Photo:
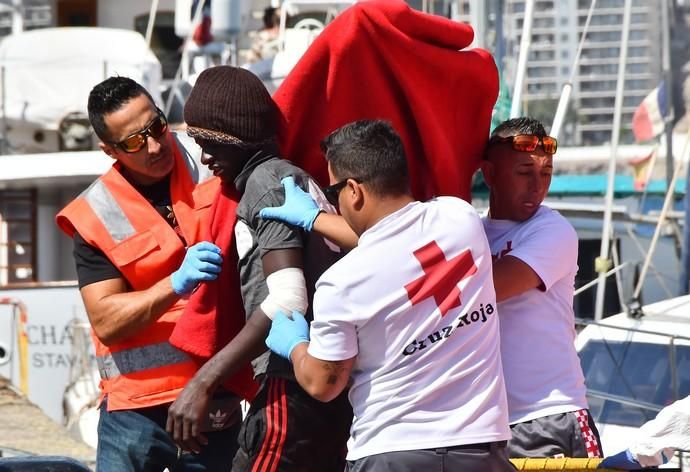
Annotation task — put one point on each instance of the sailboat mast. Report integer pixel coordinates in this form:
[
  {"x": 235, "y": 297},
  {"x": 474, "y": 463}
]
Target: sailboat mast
[
  {"x": 602, "y": 262},
  {"x": 478, "y": 21},
  {"x": 17, "y": 16},
  {"x": 151, "y": 22},
  {"x": 668, "y": 77},
  {"x": 568, "y": 86},
  {"x": 183, "y": 69},
  {"x": 515, "y": 109}
]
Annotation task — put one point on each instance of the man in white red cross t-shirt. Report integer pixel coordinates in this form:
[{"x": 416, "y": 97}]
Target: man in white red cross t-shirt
[
  {"x": 409, "y": 314},
  {"x": 534, "y": 250},
  {"x": 535, "y": 261}
]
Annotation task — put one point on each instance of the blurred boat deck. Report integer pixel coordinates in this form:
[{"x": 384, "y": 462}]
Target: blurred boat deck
[{"x": 25, "y": 429}]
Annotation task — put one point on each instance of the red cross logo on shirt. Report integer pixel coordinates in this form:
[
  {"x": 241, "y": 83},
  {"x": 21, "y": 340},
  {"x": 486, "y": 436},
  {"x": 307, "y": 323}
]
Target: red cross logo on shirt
[{"x": 441, "y": 277}]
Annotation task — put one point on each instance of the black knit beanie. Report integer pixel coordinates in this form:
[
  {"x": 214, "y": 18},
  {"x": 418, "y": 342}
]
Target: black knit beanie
[{"x": 230, "y": 105}]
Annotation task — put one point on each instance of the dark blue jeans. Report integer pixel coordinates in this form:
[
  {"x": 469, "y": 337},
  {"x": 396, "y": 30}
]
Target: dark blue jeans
[{"x": 136, "y": 440}]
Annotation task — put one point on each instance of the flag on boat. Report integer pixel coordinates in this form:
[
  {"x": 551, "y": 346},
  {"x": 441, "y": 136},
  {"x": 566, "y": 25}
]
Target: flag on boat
[
  {"x": 642, "y": 169},
  {"x": 648, "y": 119}
]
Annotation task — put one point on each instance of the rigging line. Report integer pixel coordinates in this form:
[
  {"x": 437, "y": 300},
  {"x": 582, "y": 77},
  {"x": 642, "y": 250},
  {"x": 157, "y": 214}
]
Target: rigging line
[
  {"x": 662, "y": 217},
  {"x": 562, "y": 107},
  {"x": 643, "y": 253},
  {"x": 619, "y": 282},
  {"x": 152, "y": 20},
  {"x": 585, "y": 30},
  {"x": 616, "y": 262},
  {"x": 618, "y": 366},
  {"x": 602, "y": 261},
  {"x": 196, "y": 20},
  {"x": 525, "y": 41},
  {"x": 592, "y": 283}
]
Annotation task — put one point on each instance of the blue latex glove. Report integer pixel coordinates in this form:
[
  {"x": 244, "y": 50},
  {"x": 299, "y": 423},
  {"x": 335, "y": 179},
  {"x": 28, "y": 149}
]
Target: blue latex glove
[
  {"x": 624, "y": 460},
  {"x": 286, "y": 333},
  {"x": 202, "y": 262},
  {"x": 299, "y": 208}
]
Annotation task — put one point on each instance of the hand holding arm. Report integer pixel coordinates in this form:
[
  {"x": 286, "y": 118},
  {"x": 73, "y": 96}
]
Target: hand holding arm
[
  {"x": 299, "y": 208},
  {"x": 185, "y": 415},
  {"x": 286, "y": 333},
  {"x": 201, "y": 262},
  {"x": 115, "y": 312},
  {"x": 289, "y": 338}
]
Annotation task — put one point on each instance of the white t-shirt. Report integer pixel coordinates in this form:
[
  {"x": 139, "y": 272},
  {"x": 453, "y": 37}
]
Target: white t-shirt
[
  {"x": 424, "y": 376},
  {"x": 542, "y": 370}
]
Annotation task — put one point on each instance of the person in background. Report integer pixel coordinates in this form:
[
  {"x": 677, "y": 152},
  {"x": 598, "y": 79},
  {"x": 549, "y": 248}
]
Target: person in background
[
  {"x": 409, "y": 315},
  {"x": 231, "y": 115},
  {"x": 265, "y": 41},
  {"x": 534, "y": 265},
  {"x": 202, "y": 33},
  {"x": 138, "y": 252}
]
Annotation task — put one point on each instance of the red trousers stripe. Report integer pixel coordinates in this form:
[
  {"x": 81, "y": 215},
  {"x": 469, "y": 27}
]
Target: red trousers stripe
[{"x": 276, "y": 428}]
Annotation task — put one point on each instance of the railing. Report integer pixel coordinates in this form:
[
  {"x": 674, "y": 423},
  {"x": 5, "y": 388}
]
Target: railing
[
  {"x": 570, "y": 464},
  {"x": 672, "y": 338},
  {"x": 623, "y": 400}
]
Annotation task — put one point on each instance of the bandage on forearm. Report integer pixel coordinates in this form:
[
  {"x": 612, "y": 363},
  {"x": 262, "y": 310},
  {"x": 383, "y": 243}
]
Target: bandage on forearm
[{"x": 287, "y": 292}]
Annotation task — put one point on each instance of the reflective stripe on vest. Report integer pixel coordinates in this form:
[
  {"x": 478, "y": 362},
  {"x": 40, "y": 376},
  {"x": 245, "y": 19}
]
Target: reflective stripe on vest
[
  {"x": 108, "y": 211},
  {"x": 138, "y": 359}
]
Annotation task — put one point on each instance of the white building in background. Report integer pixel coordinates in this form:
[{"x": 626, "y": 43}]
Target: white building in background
[
  {"x": 556, "y": 30},
  {"x": 16, "y": 15}
]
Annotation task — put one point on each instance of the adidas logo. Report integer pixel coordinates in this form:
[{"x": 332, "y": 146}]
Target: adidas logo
[{"x": 217, "y": 419}]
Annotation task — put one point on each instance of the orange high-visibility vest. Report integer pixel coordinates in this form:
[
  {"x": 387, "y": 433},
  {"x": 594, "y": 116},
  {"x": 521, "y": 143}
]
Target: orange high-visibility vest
[{"x": 144, "y": 369}]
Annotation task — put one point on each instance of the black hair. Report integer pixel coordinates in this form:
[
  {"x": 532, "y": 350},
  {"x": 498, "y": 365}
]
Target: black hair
[
  {"x": 109, "y": 96},
  {"x": 522, "y": 125},
  {"x": 270, "y": 17},
  {"x": 515, "y": 126},
  {"x": 371, "y": 152}
]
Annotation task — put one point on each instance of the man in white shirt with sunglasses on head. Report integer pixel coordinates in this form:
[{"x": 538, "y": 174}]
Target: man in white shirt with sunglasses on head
[
  {"x": 408, "y": 316},
  {"x": 534, "y": 252}
]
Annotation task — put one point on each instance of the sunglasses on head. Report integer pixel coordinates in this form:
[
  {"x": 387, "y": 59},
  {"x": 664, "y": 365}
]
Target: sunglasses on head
[
  {"x": 529, "y": 142},
  {"x": 333, "y": 191},
  {"x": 135, "y": 142}
]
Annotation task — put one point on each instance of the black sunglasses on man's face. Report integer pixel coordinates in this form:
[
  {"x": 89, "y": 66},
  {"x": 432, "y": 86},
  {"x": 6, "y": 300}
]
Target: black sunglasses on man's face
[
  {"x": 333, "y": 191},
  {"x": 135, "y": 142}
]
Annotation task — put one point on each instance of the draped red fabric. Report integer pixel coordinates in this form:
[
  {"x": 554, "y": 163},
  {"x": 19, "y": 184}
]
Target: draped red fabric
[
  {"x": 378, "y": 59},
  {"x": 215, "y": 312},
  {"x": 382, "y": 59}
]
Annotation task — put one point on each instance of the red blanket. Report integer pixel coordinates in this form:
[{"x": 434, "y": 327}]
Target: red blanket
[
  {"x": 378, "y": 59},
  {"x": 215, "y": 313},
  {"x": 382, "y": 59}
]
